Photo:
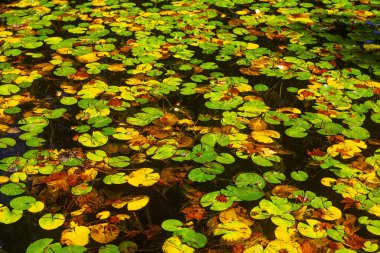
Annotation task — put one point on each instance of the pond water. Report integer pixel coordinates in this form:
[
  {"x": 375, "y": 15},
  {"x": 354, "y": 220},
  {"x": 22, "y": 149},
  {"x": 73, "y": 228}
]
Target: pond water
[{"x": 189, "y": 126}]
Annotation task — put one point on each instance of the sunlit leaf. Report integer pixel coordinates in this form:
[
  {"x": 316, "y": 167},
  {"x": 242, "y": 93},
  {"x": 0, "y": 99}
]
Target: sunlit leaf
[
  {"x": 143, "y": 177},
  {"x": 75, "y": 235},
  {"x": 279, "y": 245},
  {"x": 50, "y": 221},
  {"x": 174, "y": 245},
  {"x": 96, "y": 139},
  {"x": 8, "y": 216},
  {"x": 311, "y": 229},
  {"x": 133, "y": 203},
  {"x": 233, "y": 231},
  {"x": 41, "y": 245}
]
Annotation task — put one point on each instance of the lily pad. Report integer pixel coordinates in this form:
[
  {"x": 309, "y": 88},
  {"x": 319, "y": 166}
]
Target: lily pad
[
  {"x": 50, "y": 221},
  {"x": 96, "y": 139}
]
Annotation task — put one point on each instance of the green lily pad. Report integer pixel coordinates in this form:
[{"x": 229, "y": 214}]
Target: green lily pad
[
  {"x": 109, "y": 248},
  {"x": 299, "y": 175},
  {"x": 296, "y": 132},
  {"x": 285, "y": 220},
  {"x": 97, "y": 155},
  {"x": 172, "y": 225},
  {"x": 118, "y": 178},
  {"x": 41, "y": 245},
  {"x": 128, "y": 247},
  {"x": 50, "y": 221},
  {"x": 7, "y": 142},
  {"x": 250, "y": 179},
  {"x": 262, "y": 161},
  {"x": 190, "y": 237},
  {"x": 9, "y": 216},
  {"x": 119, "y": 161},
  {"x": 81, "y": 189},
  {"x": 68, "y": 100},
  {"x": 244, "y": 193},
  {"x": 65, "y": 71},
  {"x": 204, "y": 153},
  {"x": 206, "y": 173},
  {"x": 22, "y": 202},
  {"x": 225, "y": 158},
  {"x": 13, "y": 189},
  {"x": 164, "y": 152},
  {"x": 274, "y": 177},
  {"x": 8, "y": 89},
  {"x": 96, "y": 139},
  {"x": 216, "y": 201},
  {"x": 311, "y": 229},
  {"x": 147, "y": 116}
]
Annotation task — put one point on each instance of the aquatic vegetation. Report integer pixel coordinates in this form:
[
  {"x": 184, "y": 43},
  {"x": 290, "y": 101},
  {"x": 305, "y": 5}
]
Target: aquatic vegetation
[{"x": 191, "y": 126}]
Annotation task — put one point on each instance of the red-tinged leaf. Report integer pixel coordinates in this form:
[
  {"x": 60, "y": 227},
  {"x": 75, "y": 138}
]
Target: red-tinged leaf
[
  {"x": 306, "y": 247},
  {"x": 114, "y": 102},
  {"x": 316, "y": 152},
  {"x": 307, "y": 93},
  {"x": 55, "y": 177},
  {"x": 194, "y": 211},
  {"x": 238, "y": 248},
  {"x": 80, "y": 75},
  {"x": 349, "y": 203},
  {"x": 355, "y": 241},
  {"x": 221, "y": 198}
]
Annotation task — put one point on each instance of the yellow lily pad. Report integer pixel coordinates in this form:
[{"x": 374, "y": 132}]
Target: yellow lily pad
[
  {"x": 143, "y": 177},
  {"x": 174, "y": 245},
  {"x": 265, "y": 136},
  {"x": 311, "y": 229},
  {"x": 50, "y": 221},
  {"x": 75, "y": 235},
  {"x": 233, "y": 231}
]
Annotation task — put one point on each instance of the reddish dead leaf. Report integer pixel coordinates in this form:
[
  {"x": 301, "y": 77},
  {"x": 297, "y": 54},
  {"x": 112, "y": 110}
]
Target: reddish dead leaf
[
  {"x": 355, "y": 241},
  {"x": 349, "y": 221},
  {"x": 73, "y": 180},
  {"x": 306, "y": 247},
  {"x": 115, "y": 102},
  {"x": 335, "y": 138},
  {"x": 194, "y": 211},
  {"x": 238, "y": 248},
  {"x": 325, "y": 225},
  {"x": 185, "y": 142},
  {"x": 168, "y": 119},
  {"x": 316, "y": 70},
  {"x": 361, "y": 164},
  {"x": 284, "y": 191},
  {"x": 114, "y": 219},
  {"x": 221, "y": 198},
  {"x": 316, "y": 152},
  {"x": 55, "y": 177},
  {"x": 80, "y": 75},
  {"x": 306, "y": 94},
  {"x": 172, "y": 175}
]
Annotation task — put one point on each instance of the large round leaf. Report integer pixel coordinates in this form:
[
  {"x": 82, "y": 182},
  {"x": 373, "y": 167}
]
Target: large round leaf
[
  {"x": 96, "y": 139},
  {"x": 143, "y": 177},
  {"x": 50, "y": 221}
]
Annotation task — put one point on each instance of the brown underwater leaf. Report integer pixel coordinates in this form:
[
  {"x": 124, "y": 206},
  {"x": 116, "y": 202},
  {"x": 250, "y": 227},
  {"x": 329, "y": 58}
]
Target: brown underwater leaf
[{"x": 104, "y": 232}]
